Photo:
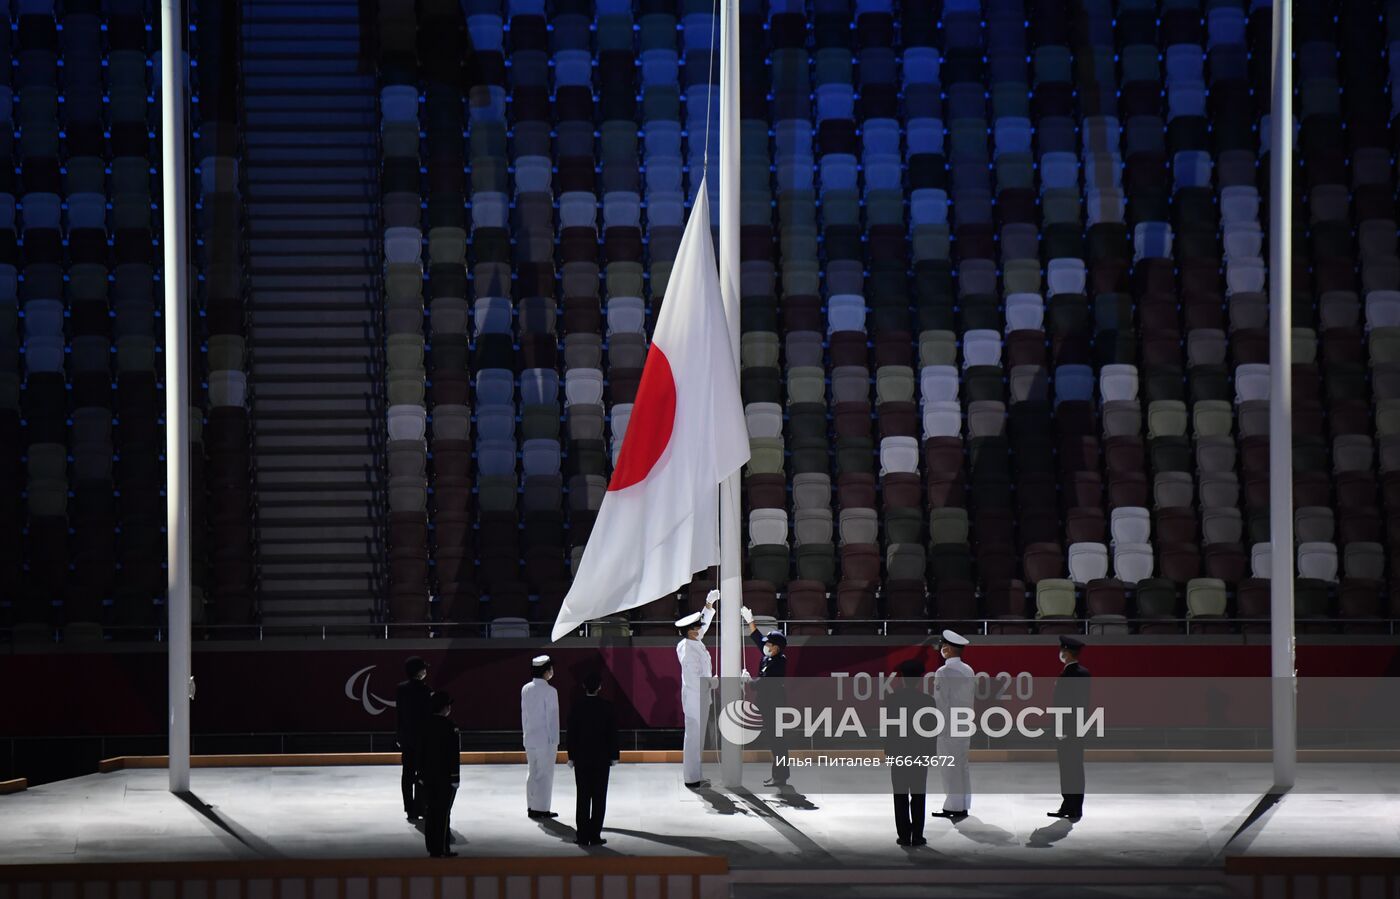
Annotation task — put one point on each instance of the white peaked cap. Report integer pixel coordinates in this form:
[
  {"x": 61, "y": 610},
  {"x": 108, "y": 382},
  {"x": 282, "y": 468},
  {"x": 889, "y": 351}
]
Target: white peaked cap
[
  {"x": 954, "y": 638},
  {"x": 539, "y": 660},
  {"x": 688, "y": 620}
]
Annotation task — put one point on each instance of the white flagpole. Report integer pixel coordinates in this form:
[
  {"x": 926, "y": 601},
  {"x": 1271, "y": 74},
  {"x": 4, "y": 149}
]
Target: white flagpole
[
  {"x": 731, "y": 572},
  {"x": 1285, "y": 677},
  {"x": 177, "y": 390}
]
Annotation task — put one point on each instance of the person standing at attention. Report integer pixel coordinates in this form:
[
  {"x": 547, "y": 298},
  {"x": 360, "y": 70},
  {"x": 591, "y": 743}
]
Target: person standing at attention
[
  {"x": 1071, "y": 691},
  {"x": 411, "y": 710},
  {"x": 539, "y": 725},
  {"x": 954, "y": 688},
  {"x": 439, "y": 774},
  {"x": 592, "y": 751}
]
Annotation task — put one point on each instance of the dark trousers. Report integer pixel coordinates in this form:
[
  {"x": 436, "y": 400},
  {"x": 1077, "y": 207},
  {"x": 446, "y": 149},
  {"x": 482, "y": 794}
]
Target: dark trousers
[
  {"x": 778, "y": 745},
  {"x": 408, "y": 782},
  {"x": 909, "y": 784},
  {"x": 591, "y": 787},
  {"x": 1070, "y": 753},
  {"x": 437, "y": 815}
]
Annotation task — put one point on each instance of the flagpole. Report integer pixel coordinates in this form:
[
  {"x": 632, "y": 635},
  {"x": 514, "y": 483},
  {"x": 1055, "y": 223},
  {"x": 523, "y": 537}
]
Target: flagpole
[
  {"x": 731, "y": 572},
  {"x": 1281, "y": 601}
]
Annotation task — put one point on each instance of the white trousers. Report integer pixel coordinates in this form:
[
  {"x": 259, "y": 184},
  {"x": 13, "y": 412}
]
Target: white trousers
[
  {"x": 539, "y": 783},
  {"x": 957, "y": 778},
  {"x": 694, "y": 743}
]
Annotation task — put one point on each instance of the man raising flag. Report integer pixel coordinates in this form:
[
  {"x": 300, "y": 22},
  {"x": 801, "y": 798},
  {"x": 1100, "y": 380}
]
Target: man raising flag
[{"x": 659, "y": 520}]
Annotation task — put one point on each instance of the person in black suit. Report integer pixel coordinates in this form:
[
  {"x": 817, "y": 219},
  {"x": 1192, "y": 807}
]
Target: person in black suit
[
  {"x": 909, "y": 782},
  {"x": 411, "y": 709},
  {"x": 439, "y": 773},
  {"x": 769, "y": 693},
  {"x": 592, "y": 751},
  {"x": 1071, "y": 691}
]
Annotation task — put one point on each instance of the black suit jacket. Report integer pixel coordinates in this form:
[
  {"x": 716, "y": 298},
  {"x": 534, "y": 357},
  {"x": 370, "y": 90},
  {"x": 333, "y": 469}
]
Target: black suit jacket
[
  {"x": 770, "y": 690},
  {"x": 910, "y": 699},
  {"x": 440, "y": 763},
  {"x": 1072, "y": 687},
  {"x": 592, "y": 731},
  {"x": 411, "y": 708}
]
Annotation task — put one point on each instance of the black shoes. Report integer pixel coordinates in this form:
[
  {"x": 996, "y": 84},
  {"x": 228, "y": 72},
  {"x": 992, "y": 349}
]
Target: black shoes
[
  {"x": 1068, "y": 816},
  {"x": 444, "y": 855},
  {"x": 598, "y": 842},
  {"x": 918, "y": 841},
  {"x": 412, "y": 818},
  {"x": 955, "y": 817},
  {"x": 770, "y": 782},
  {"x": 697, "y": 784},
  {"x": 535, "y": 814}
]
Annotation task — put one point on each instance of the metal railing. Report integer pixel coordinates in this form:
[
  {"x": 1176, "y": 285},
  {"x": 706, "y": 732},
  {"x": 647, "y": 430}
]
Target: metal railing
[{"x": 910, "y": 628}]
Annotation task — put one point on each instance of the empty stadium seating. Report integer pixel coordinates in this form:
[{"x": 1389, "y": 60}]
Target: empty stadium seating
[
  {"x": 1004, "y": 301},
  {"x": 1004, "y": 313}
]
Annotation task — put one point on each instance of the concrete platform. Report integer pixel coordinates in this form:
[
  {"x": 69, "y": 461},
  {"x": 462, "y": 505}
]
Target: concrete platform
[{"x": 347, "y": 812}]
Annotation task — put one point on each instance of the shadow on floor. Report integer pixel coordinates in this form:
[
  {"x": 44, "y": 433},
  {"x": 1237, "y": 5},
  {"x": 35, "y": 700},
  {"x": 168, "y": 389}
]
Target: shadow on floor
[
  {"x": 228, "y": 826},
  {"x": 1047, "y": 836}
]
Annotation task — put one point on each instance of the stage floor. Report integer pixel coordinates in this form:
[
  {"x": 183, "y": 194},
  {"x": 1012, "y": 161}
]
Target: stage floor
[{"x": 128, "y": 816}]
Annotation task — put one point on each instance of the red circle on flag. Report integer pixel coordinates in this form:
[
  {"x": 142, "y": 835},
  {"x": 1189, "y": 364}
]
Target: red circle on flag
[{"x": 649, "y": 428}]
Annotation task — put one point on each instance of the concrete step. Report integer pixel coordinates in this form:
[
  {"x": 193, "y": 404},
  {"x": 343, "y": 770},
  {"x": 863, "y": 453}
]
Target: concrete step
[
  {"x": 312, "y": 192},
  {"x": 306, "y": 549},
  {"x": 355, "y": 331},
  {"x": 339, "y": 173},
  {"x": 344, "y": 154},
  {"x": 272, "y": 324},
  {"x": 262, "y": 140},
  {"x": 328, "y": 265},
  {"x": 300, "y": 97},
  {"x": 356, "y": 120},
  {"x": 346, "y": 81},
  {"x": 284, "y": 65},
  {"x": 306, "y": 246},
  {"x": 327, "y": 533},
  {"x": 338, "y": 454},
  {"x": 340, "y": 285},
  {"x": 293, "y": 569},
  {"x": 317, "y": 29},
  {"x": 317, "y": 478}
]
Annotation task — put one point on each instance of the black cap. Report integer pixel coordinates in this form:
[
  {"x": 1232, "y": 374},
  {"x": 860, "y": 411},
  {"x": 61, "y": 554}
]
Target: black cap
[
  {"x": 439, "y": 701},
  {"x": 777, "y": 638},
  {"x": 414, "y": 665},
  {"x": 1074, "y": 644},
  {"x": 593, "y": 682}
]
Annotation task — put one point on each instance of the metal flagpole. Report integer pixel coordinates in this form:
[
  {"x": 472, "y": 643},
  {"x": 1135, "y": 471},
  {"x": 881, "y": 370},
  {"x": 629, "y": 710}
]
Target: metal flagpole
[
  {"x": 177, "y": 390},
  {"x": 731, "y": 584},
  {"x": 1284, "y": 675}
]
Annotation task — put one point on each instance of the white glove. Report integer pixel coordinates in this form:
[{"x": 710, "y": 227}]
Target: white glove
[
  {"x": 744, "y": 676},
  {"x": 747, "y": 614},
  {"x": 612, "y": 763},
  {"x": 571, "y": 763},
  {"x": 712, "y": 597}
]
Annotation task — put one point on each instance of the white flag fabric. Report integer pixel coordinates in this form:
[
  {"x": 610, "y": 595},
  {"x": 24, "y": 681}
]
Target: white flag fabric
[{"x": 659, "y": 520}]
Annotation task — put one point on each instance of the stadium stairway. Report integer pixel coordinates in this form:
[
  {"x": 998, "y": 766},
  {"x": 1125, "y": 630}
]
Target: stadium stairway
[{"x": 315, "y": 344}]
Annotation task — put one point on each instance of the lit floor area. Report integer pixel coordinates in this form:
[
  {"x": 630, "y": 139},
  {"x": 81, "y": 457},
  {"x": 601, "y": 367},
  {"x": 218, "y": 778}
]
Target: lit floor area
[{"x": 356, "y": 812}]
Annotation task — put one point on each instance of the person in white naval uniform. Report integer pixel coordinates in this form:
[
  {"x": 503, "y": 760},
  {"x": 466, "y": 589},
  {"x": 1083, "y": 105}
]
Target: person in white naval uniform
[
  {"x": 954, "y": 687},
  {"x": 697, "y": 680},
  {"x": 539, "y": 723}
]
